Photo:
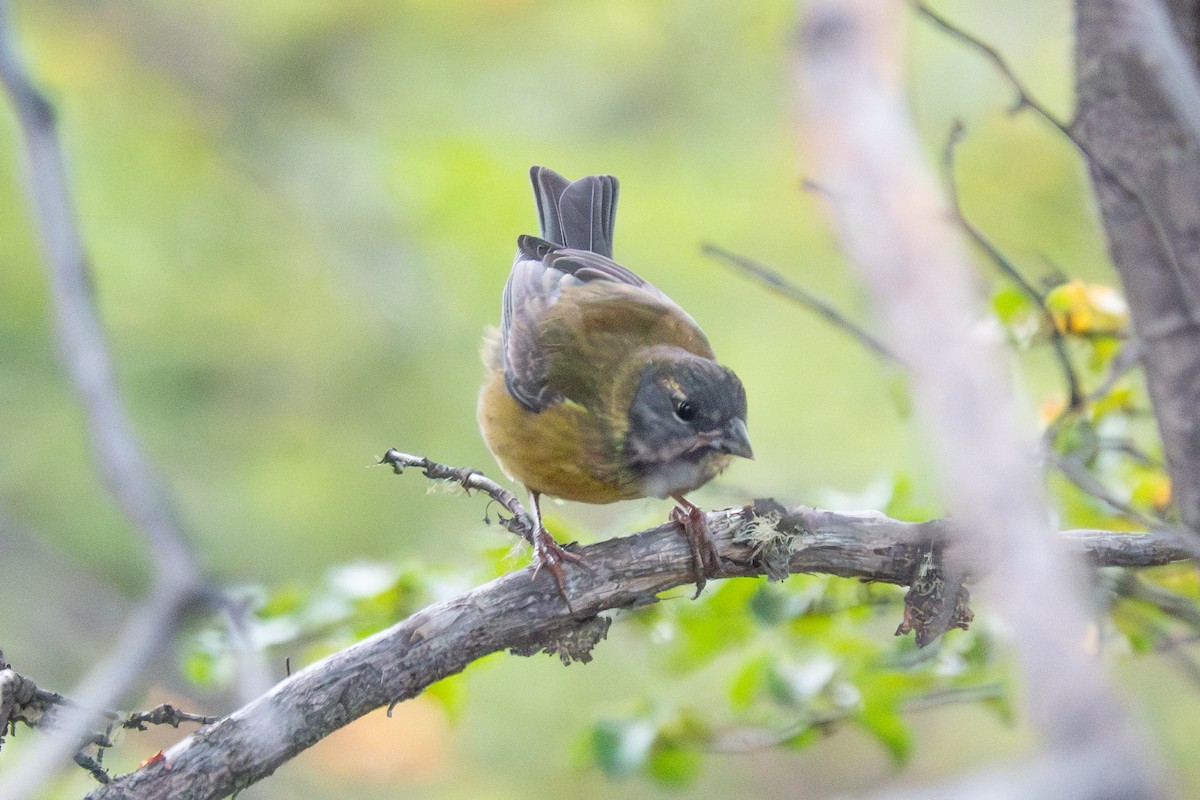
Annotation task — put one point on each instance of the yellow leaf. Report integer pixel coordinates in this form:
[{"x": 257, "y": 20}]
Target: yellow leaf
[{"x": 1083, "y": 308}]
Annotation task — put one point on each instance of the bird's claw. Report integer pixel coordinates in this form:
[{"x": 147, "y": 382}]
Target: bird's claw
[
  {"x": 706, "y": 560},
  {"x": 551, "y": 555}
]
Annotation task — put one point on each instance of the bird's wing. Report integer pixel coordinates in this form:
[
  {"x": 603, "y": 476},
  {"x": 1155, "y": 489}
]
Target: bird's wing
[{"x": 535, "y": 328}]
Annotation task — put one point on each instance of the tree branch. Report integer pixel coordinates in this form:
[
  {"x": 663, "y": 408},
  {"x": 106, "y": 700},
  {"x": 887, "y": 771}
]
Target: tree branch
[
  {"x": 470, "y": 479},
  {"x": 526, "y": 615},
  {"x": 115, "y": 450},
  {"x": 21, "y": 701},
  {"x": 801, "y": 296}
]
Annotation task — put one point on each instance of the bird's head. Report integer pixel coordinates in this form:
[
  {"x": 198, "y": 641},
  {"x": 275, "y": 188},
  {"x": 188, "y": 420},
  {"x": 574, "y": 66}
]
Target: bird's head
[{"x": 687, "y": 418}]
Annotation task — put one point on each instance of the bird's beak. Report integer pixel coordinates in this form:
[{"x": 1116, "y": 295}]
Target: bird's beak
[{"x": 735, "y": 439}]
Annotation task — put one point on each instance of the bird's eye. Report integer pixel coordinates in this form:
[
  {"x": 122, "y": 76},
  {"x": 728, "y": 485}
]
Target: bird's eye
[{"x": 685, "y": 410}]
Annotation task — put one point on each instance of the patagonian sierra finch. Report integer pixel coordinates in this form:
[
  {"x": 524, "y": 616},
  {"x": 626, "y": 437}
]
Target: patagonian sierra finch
[{"x": 601, "y": 388}]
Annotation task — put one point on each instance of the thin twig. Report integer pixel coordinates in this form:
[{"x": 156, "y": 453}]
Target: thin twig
[
  {"x": 164, "y": 714},
  {"x": 470, "y": 479},
  {"x": 782, "y": 286},
  {"x": 1077, "y": 474},
  {"x": 1173, "y": 605},
  {"x": 116, "y": 453},
  {"x": 1025, "y": 100},
  {"x": 1006, "y": 266}
]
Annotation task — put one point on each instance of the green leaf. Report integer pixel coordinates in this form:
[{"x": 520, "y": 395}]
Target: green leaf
[
  {"x": 1002, "y": 706},
  {"x": 451, "y": 694},
  {"x": 749, "y": 682},
  {"x": 1121, "y": 399},
  {"x": 199, "y": 668},
  {"x": 674, "y": 765},
  {"x": 886, "y": 725},
  {"x": 773, "y": 604},
  {"x": 810, "y": 735},
  {"x": 1080, "y": 440},
  {"x": 904, "y": 503},
  {"x": 206, "y": 659},
  {"x": 1133, "y": 625},
  {"x": 282, "y": 601},
  {"x": 621, "y": 747},
  {"x": 898, "y": 391},
  {"x": 882, "y": 696},
  {"x": 1011, "y": 304},
  {"x": 716, "y": 623}
]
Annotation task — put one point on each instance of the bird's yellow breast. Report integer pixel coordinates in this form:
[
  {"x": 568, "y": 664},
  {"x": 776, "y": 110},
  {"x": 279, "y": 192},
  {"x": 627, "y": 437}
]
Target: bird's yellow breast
[{"x": 560, "y": 451}]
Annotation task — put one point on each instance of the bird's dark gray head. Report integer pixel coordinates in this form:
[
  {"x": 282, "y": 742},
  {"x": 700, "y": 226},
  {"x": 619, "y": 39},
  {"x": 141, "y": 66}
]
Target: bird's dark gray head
[{"x": 687, "y": 408}]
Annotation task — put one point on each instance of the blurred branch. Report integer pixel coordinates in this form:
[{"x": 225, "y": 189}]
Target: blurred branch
[
  {"x": 1129, "y": 58},
  {"x": 1057, "y": 340},
  {"x": 116, "y": 453},
  {"x": 1184, "y": 609},
  {"x": 524, "y": 613},
  {"x": 1073, "y": 470},
  {"x": 1025, "y": 100},
  {"x": 897, "y": 229},
  {"x": 21, "y": 701},
  {"x": 797, "y": 294},
  {"x": 747, "y": 740}
]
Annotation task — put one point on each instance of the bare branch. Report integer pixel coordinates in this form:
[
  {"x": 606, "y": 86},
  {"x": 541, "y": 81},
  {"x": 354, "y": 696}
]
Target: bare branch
[
  {"x": 524, "y": 613},
  {"x": 1076, "y": 473},
  {"x": 115, "y": 450},
  {"x": 797, "y": 294},
  {"x": 21, "y": 701},
  {"x": 470, "y": 479}
]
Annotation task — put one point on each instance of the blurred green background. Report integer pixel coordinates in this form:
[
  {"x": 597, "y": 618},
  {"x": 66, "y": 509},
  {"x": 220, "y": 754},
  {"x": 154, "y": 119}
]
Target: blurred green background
[{"x": 301, "y": 215}]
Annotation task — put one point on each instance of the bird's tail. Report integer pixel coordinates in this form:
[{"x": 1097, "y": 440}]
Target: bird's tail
[{"x": 577, "y": 214}]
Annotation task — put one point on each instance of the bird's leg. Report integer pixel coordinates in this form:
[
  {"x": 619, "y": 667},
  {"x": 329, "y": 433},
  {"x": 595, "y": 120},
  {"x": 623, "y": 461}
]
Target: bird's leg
[
  {"x": 548, "y": 553},
  {"x": 706, "y": 561}
]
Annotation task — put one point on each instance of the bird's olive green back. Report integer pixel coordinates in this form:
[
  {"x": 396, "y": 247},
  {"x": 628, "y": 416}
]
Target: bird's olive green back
[{"x": 594, "y": 333}]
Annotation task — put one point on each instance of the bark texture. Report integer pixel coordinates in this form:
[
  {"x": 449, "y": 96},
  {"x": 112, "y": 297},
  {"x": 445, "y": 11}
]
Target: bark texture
[{"x": 1135, "y": 70}]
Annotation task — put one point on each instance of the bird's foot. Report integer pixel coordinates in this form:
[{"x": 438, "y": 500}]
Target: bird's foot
[
  {"x": 706, "y": 560},
  {"x": 551, "y": 555}
]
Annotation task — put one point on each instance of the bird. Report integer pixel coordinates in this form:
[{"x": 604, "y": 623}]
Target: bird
[{"x": 600, "y": 388}]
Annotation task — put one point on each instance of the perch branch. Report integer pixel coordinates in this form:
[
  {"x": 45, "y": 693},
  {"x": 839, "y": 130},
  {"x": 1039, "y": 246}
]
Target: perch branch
[{"x": 524, "y": 613}]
